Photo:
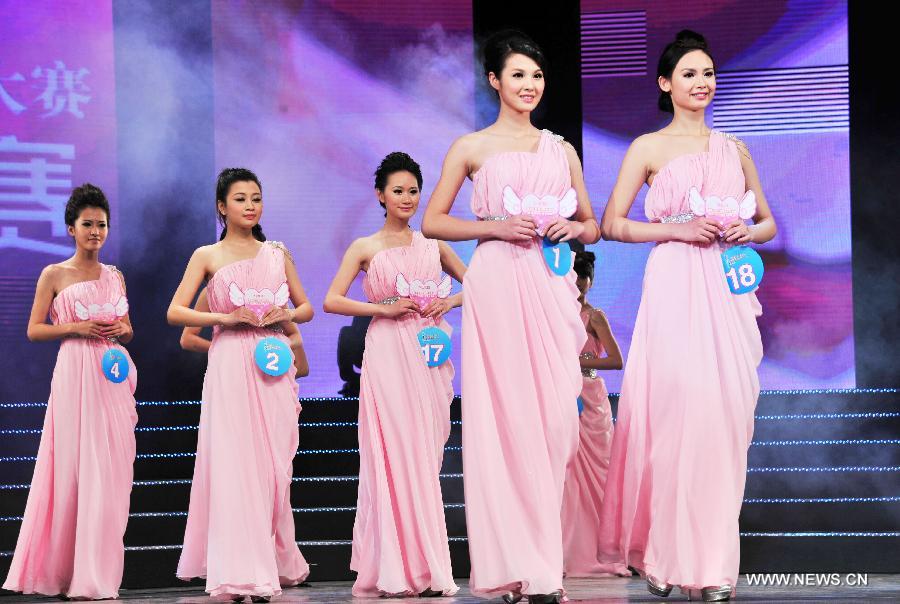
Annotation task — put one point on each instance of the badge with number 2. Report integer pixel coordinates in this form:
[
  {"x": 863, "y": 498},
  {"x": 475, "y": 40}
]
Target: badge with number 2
[
  {"x": 272, "y": 356},
  {"x": 743, "y": 269}
]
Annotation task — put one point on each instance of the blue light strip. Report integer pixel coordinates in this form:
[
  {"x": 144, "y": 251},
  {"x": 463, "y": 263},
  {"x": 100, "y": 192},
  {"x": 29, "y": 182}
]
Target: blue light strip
[
  {"x": 825, "y": 469},
  {"x": 849, "y": 441},
  {"x": 194, "y": 427},
  {"x": 767, "y": 470},
  {"x": 870, "y": 415},
  {"x": 764, "y": 443},
  {"x": 16, "y": 405},
  {"x": 793, "y": 416},
  {"x": 825, "y": 534},
  {"x": 460, "y": 506},
  {"x": 802, "y": 500}
]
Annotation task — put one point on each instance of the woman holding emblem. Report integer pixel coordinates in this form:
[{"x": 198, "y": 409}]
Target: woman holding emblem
[
  {"x": 685, "y": 419},
  {"x": 240, "y": 527},
  {"x": 522, "y": 332},
  {"x": 70, "y": 541},
  {"x": 400, "y": 542}
]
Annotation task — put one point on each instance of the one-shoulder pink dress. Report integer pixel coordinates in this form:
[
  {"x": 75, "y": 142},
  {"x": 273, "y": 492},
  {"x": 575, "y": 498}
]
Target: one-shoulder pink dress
[
  {"x": 400, "y": 542},
  {"x": 586, "y": 478},
  {"x": 521, "y": 336},
  {"x": 70, "y": 542},
  {"x": 685, "y": 419},
  {"x": 240, "y": 526}
]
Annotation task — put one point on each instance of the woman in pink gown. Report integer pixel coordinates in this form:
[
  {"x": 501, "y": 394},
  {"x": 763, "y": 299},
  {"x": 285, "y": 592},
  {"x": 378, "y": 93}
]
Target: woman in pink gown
[
  {"x": 240, "y": 527},
  {"x": 70, "y": 542},
  {"x": 586, "y": 477},
  {"x": 685, "y": 417},
  {"x": 521, "y": 332},
  {"x": 400, "y": 542}
]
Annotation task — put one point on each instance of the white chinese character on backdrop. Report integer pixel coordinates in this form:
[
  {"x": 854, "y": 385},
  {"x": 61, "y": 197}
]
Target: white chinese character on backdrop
[
  {"x": 28, "y": 185},
  {"x": 63, "y": 89},
  {"x": 7, "y": 99}
]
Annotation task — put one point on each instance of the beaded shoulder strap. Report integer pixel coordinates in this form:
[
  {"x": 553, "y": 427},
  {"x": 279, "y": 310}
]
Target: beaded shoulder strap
[
  {"x": 738, "y": 143},
  {"x": 281, "y": 246},
  {"x": 557, "y": 137},
  {"x": 117, "y": 273}
]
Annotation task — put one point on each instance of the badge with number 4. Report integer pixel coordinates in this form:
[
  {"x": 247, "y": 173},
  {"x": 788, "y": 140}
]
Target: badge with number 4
[
  {"x": 558, "y": 256},
  {"x": 272, "y": 356},
  {"x": 435, "y": 345},
  {"x": 743, "y": 269},
  {"x": 115, "y": 365}
]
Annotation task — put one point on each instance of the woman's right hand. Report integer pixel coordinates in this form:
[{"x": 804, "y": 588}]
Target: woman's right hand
[
  {"x": 516, "y": 228},
  {"x": 398, "y": 309},
  {"x": 240, "y": 316},
  {"x": 88, "y": 329},
  {"x": 699, "y": 230}
]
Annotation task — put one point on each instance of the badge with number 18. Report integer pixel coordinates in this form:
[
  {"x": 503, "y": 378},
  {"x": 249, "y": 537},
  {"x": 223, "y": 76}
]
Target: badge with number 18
[{"x": 743, "y": 269}]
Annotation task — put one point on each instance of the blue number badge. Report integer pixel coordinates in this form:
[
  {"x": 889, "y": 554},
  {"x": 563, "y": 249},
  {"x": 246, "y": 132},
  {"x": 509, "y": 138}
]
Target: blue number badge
[
  {"x": 580, "y": 405},
  {"x": 743, "y": 269},
  {"x": 436, "y": 345},
  {"x": 558, "y": 256},
  {"x": 115, "y": 365},
  {"x": 273, "y": 357}
]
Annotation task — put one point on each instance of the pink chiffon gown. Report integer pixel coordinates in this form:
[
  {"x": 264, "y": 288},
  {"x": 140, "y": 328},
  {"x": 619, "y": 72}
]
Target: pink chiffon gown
[
  {"x": 400, "y": 542},
  {"x": 70, "y": 542},
  {"x": 685, "y": 417},
  {"x": 521, "y": 336},
  {"x": 240, "y": 527},
  {"x": 586, "y": 478}
]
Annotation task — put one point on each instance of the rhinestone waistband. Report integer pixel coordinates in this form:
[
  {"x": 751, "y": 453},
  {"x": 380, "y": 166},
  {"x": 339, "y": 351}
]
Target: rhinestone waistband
[
  {"x": 391, "y": 300},
  {"x": 493, "y": 217},
  {"x": 677, "y": 218},
  {"x": 586, "y": 371}
]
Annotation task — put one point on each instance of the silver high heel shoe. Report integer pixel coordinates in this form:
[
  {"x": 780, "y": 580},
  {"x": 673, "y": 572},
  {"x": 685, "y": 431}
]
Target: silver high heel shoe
[
  {"x": 720, "y": 593},
  {"x": 511, "y": 598},
  {"x": 657, "y": 587}
]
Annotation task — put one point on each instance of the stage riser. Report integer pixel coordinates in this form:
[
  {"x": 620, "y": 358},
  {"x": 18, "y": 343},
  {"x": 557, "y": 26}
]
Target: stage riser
[{"x": 325, "y": 477}]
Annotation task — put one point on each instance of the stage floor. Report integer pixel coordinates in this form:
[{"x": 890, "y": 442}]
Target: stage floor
[{"x": 880, "y": 587}]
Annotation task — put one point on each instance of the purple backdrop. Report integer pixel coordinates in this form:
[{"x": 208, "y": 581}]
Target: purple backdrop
[{"x": 312, "y": 95}]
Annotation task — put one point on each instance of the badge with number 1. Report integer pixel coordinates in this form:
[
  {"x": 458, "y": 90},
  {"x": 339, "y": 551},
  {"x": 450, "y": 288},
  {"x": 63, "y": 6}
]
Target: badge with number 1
[{"x": 558, "y": 256}]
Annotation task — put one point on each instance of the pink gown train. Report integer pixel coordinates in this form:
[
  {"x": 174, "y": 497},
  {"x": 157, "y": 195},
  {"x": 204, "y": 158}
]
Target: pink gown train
[
  {"x": 586, "y": 477},
  {"x": 685, "y": 417},
  {"x": 400, "y": 534},
  {"x": 521, "y": 336},
  {"x": 70, "y": 542},
  {"x": 240, "y": 527}
]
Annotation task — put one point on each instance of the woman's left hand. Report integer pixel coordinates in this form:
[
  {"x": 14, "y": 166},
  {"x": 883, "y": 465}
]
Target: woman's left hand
[
  {"x": 437, "y": 308},
  {"x": 736, "y": 232},
  {"x": 276, "y": 314},
  {"x": 563, "y": 229},
  {"x": 115, "y": 329}
]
